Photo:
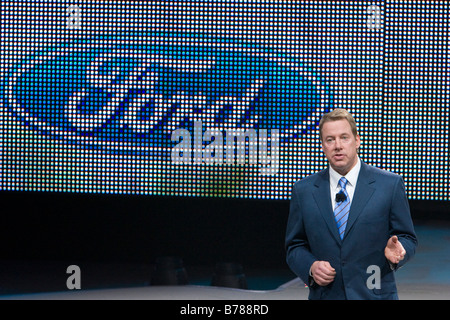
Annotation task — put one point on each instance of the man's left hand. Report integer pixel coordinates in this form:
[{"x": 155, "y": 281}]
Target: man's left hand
[{"x": 394, "y": 250}]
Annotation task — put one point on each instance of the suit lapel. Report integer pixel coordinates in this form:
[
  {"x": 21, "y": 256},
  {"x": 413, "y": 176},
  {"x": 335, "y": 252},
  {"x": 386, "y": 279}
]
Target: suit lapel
[
  {"x": 362, "y": 195},
  {"x": 322, "y": 197}
]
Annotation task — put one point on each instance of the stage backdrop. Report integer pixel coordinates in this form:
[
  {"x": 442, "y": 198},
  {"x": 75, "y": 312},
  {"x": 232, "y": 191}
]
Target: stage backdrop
[{"x": 218, "y": 98}]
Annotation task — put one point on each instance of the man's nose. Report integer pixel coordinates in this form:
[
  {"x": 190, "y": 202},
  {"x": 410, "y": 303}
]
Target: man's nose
[{"x": 338, "y": 144}]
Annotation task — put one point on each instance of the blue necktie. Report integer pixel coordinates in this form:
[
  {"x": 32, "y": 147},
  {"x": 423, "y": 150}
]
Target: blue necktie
[{"x": 342, "y": 209}]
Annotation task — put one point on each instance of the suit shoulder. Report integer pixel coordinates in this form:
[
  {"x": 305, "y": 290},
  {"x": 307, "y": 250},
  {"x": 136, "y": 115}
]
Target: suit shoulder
[
  {"x": 309, "y": 180},
  {"x": 383, "y": 173}
]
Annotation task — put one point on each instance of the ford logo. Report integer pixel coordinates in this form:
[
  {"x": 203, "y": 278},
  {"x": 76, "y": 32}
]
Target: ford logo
[{"x": 127, "y": 94}]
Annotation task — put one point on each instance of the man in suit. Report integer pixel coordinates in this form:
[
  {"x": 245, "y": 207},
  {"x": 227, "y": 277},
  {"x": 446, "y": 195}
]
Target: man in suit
[{"x": 349, "y": 226}]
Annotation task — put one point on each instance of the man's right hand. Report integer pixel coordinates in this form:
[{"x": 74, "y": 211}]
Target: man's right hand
[{"x": 322, "y": 272}]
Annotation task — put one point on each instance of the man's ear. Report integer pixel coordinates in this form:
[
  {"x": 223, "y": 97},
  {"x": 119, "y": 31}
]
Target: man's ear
[{"x": 358, "y": 143}]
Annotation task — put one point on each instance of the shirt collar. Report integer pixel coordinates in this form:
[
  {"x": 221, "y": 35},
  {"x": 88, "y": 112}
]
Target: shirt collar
[{"x": 351, "y": 176}]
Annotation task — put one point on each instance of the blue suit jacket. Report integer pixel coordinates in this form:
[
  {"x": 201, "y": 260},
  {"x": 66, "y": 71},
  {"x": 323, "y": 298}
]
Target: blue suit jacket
[{"x": 379, "y": 210}]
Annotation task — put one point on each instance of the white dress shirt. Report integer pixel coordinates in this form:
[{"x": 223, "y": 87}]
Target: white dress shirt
[{"x": 352, "y": 178}]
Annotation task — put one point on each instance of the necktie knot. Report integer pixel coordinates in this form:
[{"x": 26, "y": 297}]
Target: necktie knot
[{"x": 343, "y": 182}]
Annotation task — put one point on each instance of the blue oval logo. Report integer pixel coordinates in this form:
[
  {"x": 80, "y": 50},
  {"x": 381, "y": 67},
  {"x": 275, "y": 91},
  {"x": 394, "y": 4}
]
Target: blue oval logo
[{"x": 129, "y": 95}]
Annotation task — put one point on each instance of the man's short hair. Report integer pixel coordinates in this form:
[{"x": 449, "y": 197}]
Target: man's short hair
[{"x": 338, "y": 114}]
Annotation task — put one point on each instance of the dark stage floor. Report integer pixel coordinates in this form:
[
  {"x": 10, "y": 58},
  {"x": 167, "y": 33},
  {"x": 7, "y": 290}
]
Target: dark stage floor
[{"x": 425, "y": 277}]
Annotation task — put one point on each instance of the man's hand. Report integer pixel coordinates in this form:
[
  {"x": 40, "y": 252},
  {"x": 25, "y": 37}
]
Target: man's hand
[
  {"x": 322, "y": 272},
  {"x": 394, "y": 250}
]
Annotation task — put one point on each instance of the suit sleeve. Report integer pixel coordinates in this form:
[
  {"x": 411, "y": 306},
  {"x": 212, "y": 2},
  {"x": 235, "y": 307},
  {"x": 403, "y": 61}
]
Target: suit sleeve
[
  {"x": 401, "y": 223},
  {"x": 298, "y": 255}
]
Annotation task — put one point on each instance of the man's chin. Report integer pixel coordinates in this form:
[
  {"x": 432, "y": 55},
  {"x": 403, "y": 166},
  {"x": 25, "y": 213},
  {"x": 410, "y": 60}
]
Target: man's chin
[{"x": 340, "y": 166}]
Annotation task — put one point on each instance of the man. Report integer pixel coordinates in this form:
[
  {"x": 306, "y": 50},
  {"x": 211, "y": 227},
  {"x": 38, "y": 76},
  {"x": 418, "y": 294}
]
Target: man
[{"x": 349, "y": 226}]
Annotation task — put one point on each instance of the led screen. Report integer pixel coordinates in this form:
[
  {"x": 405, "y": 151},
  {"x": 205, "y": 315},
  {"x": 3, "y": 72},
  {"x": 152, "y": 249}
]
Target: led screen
[{"x": 218, "y": 98}]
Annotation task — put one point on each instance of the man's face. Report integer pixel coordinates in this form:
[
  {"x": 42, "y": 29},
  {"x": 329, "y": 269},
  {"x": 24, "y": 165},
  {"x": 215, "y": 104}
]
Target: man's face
[{"x": 340, "y": 145}]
